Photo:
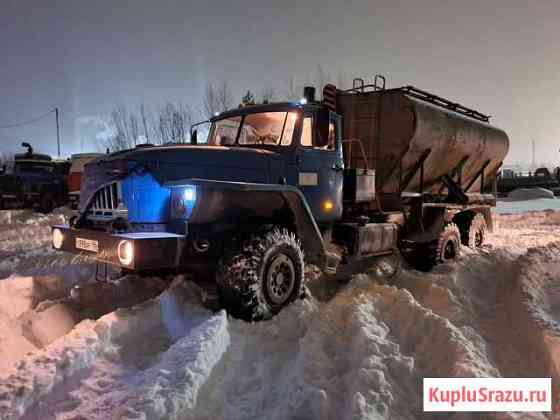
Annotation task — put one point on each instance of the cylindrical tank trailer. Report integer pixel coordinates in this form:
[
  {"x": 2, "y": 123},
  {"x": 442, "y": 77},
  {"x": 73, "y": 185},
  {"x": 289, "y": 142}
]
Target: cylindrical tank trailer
[{"x": 412, "y": 139}]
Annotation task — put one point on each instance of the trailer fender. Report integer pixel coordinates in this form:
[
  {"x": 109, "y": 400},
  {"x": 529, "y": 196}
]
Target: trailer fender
[
  {"x": 227, "y": 205},
  {"x": 433, "y": 222}
]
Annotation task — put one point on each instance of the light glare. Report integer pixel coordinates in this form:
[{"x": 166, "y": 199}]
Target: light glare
[
  {"x": 125, "y": 252},
  {"x": 57, "y": 238},
  {"x": 189, "y": 194},
  {"x": 328, "y": 205}
]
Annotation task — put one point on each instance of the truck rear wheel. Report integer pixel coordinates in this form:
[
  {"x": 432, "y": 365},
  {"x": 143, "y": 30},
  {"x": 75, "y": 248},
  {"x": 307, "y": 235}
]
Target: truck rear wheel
[
  {"x": 476, "y": 234},
  {"x": 257, "y": 281},
  {"x": 448, "y": 245}
]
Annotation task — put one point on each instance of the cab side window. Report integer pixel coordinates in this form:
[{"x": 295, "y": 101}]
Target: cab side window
[
  {"x": 332, "y": 135},
  {"x": 310, "y": 140},
  {"x": 307, "y": 132}
]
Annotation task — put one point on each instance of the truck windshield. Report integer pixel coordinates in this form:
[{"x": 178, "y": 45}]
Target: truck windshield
[{"x": 272, "y": 128}]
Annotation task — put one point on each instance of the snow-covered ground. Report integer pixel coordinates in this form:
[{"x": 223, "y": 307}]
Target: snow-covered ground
[
  {"x": 357, "y": 351},
  {"x": 506, "y": 206}
]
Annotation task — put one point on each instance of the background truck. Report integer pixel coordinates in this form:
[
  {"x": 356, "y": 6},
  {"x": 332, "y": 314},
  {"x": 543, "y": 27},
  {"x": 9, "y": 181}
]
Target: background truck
[
  {"x": 364, "y": 173},
  {"x": 78, "y": 162},
  {"x": 33, "y": 180}
]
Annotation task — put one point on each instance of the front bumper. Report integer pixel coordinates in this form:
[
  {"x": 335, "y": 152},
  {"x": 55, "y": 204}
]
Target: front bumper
[{"x": 151, "y": 250}]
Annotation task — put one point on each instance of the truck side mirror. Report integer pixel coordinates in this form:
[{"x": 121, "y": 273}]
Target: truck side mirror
[{"x": 194, "y": 137}]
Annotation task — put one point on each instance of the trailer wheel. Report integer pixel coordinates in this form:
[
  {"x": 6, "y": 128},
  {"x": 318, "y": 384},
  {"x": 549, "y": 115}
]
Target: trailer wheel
[
  {"x": 257, "y": 281},
  {"x": 476, "y": 234},
  {"x": 448, "y": 245}
]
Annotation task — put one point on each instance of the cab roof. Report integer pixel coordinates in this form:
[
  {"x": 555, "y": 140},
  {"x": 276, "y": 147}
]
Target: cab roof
[{"x": 273, "y": 107}]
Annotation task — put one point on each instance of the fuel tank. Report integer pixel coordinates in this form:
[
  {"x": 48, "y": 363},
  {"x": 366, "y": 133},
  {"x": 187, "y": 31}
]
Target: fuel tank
[{"x": 399, "y": 130}]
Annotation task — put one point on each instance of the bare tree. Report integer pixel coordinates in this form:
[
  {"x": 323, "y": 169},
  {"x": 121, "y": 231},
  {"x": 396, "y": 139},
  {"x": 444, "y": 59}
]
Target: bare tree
[
  {"x": 342, "y": 80},
  {"x": 144, "y": 119},
  {"x": 216, "y": 99},
  {"x": 134, "y": 132},
  {"x": 5, "y": 157},
  {"x": 174, "y": 123},
  {"x": 292, "y": 92},
  {"x": 320, "y": 80},
  {"x": 171, "y": 124},
  {"x": 268, "y": 95},
  {"x": 123, "y": 132}
]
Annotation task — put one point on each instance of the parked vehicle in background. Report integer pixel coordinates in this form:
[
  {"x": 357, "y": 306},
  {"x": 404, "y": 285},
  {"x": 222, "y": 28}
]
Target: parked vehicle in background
[
  {"x": 509, "y": 180},
  {"x": 364, "y": 173},
  {"x": 33, "y": 180},
  {"x": 78, "y": 162}
]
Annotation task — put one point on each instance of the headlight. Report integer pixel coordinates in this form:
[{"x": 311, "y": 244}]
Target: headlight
[
  {"x": 189, "y": 193},
  {"x": 184, "y": 200},
  {"x": 57, "y": 238},
  {"x": 125, "y": 252}
]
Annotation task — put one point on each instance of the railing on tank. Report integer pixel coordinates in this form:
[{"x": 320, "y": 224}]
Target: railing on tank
[
  {"x": 379, "y": 84},
  {"x": 350, "y": 142}
]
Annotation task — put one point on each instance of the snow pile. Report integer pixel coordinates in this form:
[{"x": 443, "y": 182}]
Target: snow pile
[
  {"x": 173, "y": 385},
  {"x": 358, "y": 351},
  {"x": 128, "y": 352},
  {"x": 15, "y": 300},
  {"x": 29, "y": 217},
  {"x": 25, "y": 246},
  {"x": 530, "y": 194},
  {"x": 360, "y": 355}
]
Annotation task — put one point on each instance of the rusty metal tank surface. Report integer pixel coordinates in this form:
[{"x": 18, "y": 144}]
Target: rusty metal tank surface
[{"x": 399, "y": 131}]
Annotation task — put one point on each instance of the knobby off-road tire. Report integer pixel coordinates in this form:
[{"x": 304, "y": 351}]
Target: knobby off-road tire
[
  {"x": 257, "y": 281},
  {"x": 475, "y": 234},
  {"x": 448, "y": 246}
]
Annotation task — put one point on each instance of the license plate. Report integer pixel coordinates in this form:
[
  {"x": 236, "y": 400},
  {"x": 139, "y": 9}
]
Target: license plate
[{"x": 87, "y": 244}]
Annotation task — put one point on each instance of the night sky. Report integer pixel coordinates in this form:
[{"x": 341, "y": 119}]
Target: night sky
[{"x": 86, "y": 57}]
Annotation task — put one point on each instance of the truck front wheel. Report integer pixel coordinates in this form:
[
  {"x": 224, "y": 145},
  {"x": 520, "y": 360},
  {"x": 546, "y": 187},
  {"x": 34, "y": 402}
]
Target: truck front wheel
[{"x": 257, "y": 281}]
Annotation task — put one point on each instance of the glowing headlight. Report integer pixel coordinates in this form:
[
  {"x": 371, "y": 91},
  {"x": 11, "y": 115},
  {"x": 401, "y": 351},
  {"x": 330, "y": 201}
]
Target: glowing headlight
[
  {"x": 125, "y": 252},
  {"x": 57, "y": 238},
  {"x": 189, "y": 194}
]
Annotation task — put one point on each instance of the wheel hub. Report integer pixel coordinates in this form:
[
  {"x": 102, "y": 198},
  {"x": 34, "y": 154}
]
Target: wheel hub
[
  {"x": 280, "y": 279},
  {"x": 449, "y": 250}
]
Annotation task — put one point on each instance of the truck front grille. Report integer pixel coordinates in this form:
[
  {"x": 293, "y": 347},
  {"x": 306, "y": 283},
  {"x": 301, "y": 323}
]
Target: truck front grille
[
  {"x": 107, "y": 205},
  {"x": 106, "y": 198}
]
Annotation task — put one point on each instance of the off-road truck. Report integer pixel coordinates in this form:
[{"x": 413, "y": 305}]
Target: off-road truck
[
  {"x": 363, "y": 173},
  {"x": 33, "y": 180}
]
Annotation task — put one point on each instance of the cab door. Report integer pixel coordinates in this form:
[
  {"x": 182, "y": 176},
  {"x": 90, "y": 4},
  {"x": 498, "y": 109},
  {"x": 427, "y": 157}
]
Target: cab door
[{"x": 319, "y": 164}]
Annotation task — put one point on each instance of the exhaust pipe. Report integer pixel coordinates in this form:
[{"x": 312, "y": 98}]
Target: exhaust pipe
[{"x": 309, "y": 94}]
